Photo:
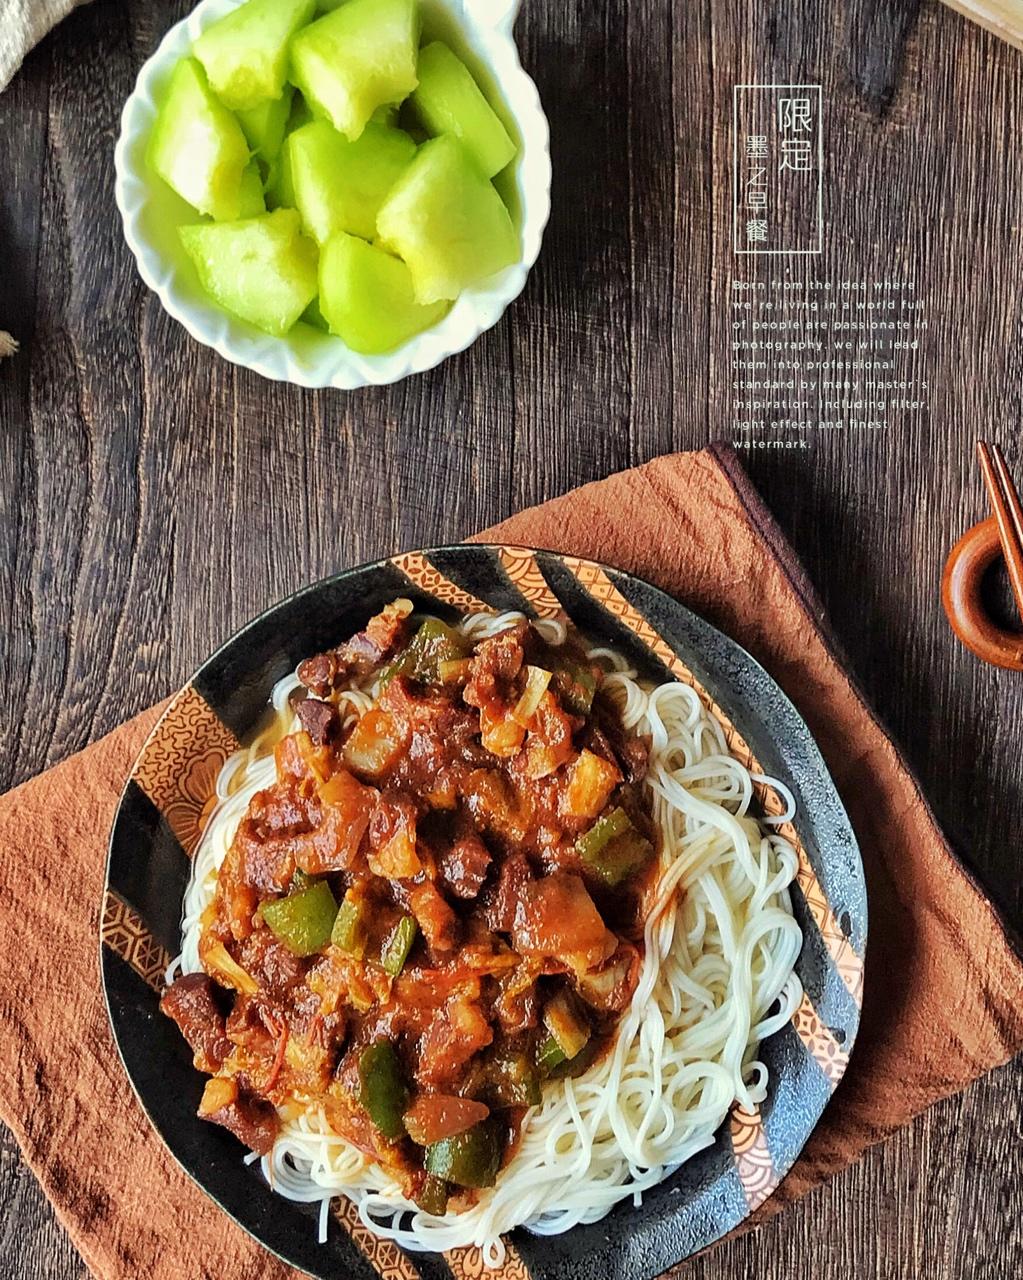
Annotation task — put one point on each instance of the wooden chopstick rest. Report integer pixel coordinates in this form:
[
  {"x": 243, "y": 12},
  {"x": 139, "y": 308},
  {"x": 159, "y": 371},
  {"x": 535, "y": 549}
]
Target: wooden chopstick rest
[{"x": 973, "y": 555}]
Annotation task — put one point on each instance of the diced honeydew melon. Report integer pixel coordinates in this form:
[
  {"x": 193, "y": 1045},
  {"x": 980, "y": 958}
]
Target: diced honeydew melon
[
  {"x": 448, "y": 100},
  {"x": 246, "y": 53},
  {"x": 197, "y": 146},
  {"x": 262, "y": 269},
  {"x": 357, "y": 58},
  {"x": 367, "y": 297},
  {"x": 409, "y": 122},
  {"x": 280, "y": 190},
  {"x": 340, "y": 185},
  {"x": 251, "y": 201},
  {"x": 264, "y": 125},
  {"x": 314, "y": 316},
  {"x": 387, "y": 114},
  {"x": 301, "y": 113},
  {"x": 447, "y": 222}
]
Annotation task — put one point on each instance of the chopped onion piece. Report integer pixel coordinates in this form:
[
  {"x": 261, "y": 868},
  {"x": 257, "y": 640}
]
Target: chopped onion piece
[
  {"x": 219, "y": 965},
  {"x": 537, "y": 681}
]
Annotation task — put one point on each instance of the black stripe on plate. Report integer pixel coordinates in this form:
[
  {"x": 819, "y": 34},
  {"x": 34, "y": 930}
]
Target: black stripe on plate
[
  {"x": 633, "y": 1243},
  {"x": 477, "y": 568},
  {"x": 148, "y": 868},
  {"x": 237, "y": 680},
  {"x": 819, "y": 974},
  {"x": 597, "y": 623}
]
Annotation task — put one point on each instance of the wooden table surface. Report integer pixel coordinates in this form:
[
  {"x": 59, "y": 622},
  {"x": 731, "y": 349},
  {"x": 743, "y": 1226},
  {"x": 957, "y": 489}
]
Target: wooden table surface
[{"x": 154, "y": 497}]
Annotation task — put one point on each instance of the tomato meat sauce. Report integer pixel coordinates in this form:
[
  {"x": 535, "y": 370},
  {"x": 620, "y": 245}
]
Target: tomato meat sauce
[{"x": 436, "y": 908}]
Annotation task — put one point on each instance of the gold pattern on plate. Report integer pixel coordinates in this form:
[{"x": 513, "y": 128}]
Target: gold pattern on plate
[
  {"x": 525, "y": 574},
  {"x": 391, "y": 1264},
  {"x": 819, "y": 1041},
  {"x": 427, "y": 577},
  {"x": 467, "y": 1264},
  {"x": 383, "y": 1255},
  {"x": 123, "y": 931},
  {"x": 752, "y": 1156},
  {"x": 179, "y": 764}
]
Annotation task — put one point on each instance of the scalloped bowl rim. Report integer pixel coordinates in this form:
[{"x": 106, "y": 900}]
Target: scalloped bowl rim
[{"x": 487, "y": 29}]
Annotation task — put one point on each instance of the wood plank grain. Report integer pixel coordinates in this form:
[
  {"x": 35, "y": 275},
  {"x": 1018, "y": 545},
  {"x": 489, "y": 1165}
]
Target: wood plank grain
[
  {"x": 572, "y": 346},
  {"x": 152, "y": 497},
  {"x": 22, "y": 155},
  {"x": 876, "y": 515},
  {"x": 32, "y": 1242}
]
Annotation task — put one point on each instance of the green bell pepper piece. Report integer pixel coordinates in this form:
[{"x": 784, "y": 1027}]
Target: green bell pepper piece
[
  {"x": 512, "y": 1081},
  {"x": 384, "y": 1093},
  {"x": 350, "y": 927},
  {"x": 577, "y": 687},
  {"x": 433, "y": 643},
  {"x": 613, "y": 848},
  {"x": 469, "y": 1159},
  {"x": 566, "y": 1024},
  {"x": 572, "y": 1067},
  {"x": 433, "y": 1195},
  {"x": 591, "y": 843},
  {"x": 549, "y": 1054},
  {"x": 398, "y": 945},
  {"x": 302, "y": 920},
  {"x": 555, "y": 1064}
]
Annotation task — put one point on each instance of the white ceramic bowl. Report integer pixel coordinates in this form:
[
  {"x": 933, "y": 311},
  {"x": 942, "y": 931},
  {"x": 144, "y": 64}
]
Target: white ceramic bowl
[{"x": 151, "y": 214}]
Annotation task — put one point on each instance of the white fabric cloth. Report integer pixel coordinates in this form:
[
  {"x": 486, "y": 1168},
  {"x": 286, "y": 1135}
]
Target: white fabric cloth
[{"x": 23, "y": 23}]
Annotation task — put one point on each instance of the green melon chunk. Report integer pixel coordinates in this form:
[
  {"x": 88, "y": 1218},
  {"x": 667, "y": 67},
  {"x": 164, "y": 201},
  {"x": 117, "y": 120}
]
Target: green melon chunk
[
  {"x": 314, "y": 316},
  {"x": 280, "y": 190},
  {"x": 300, "y": 113},
  {"x": 197, "y": 146},
  {"x": 251, "y": 200},
  {"x": 340, "y": 185},
  {"x": 448, "y": 100},
  {"x": 357, "y": 58},
  {"x": 446, "y": 220},
  {"x": 387, "y": 114},
  {"x": 264, "y": 125},
  {"x": 246, "y": 53},
  {"x": 260, "y": 269},
  {"x": 367, "y": 299}
]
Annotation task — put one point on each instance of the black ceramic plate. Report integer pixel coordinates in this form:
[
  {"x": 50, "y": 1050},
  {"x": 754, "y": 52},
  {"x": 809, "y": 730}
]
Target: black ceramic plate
[{"x": 168, "y": 796}]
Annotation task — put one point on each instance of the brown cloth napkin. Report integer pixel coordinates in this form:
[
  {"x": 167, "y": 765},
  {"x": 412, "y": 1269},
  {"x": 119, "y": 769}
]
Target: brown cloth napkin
[{"x": 943, "y": 984}]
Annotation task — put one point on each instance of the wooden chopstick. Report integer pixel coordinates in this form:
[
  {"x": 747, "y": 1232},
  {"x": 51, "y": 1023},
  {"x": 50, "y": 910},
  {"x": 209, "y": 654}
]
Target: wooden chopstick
[{"x": 1008, "y": 511}]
